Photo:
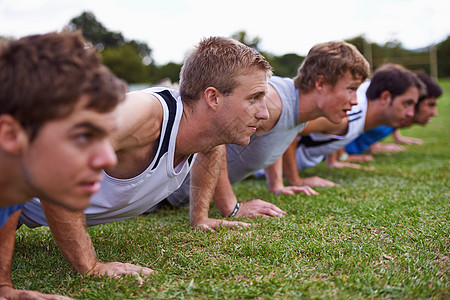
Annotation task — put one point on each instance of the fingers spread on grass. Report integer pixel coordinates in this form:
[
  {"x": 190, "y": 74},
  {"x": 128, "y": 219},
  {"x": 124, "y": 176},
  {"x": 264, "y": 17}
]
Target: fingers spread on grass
[
  {"x": 118, "y": 269},
  {"x": 316, "y": 181},
  {"x": 292, "y": 190},
  {"x": 211, "y": 224},
  {"x": 259, "y": 208}
]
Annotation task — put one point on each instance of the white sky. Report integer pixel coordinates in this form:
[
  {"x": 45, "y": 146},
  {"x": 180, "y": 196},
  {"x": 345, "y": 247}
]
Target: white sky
[{"x": 172, "y": 27}]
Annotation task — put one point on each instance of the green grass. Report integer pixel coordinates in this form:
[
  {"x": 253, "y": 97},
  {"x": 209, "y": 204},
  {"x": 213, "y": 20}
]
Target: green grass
[{"x": 383, "y": 234}]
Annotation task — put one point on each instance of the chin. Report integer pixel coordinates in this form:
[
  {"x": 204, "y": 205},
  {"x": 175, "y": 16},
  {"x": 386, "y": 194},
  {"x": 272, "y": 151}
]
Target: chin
[
  {"x": 78, "y": 204},
  {"x": 337, "y": 121},
  {"x": 242, "y": 142}
]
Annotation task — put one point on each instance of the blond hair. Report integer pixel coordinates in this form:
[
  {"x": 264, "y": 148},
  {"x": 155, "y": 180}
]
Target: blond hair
[{"x": 216, "y": 62}]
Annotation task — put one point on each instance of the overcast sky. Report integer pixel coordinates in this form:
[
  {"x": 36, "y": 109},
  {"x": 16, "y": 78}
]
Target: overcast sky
[{"x": 172, "y": 27}]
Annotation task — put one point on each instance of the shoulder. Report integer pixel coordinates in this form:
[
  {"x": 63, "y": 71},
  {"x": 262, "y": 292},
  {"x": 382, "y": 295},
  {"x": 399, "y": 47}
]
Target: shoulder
[{"x": 139, "y": 121}]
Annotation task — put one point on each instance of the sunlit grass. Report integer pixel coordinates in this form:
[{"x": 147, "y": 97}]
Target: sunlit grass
[{"x": 382, "y": 234}]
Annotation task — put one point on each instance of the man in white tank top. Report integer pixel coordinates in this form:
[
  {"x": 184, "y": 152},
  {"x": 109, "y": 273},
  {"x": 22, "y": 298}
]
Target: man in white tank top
[
  {"x": 221, "y": 101},
  {"x": 388, "y": 99}
]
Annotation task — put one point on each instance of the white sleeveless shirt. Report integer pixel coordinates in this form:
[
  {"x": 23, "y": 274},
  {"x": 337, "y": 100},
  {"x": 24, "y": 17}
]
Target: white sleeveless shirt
[
  {"x": 121, "y": 199},
  {"x": 313, "y": 148}
]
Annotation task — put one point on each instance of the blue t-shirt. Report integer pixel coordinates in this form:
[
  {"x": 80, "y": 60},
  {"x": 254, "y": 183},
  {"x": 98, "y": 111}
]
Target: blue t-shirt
[
  {"x": 6, "y": 212},
  {"x": 369, "y": 137}
]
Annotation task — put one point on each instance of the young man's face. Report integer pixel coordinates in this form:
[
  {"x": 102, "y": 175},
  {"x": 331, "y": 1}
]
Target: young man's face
[
  {"x": 401, "y": 108},
  {"x": 244, "y": 108},
  {"x": 427, "y": 109},
  {"x": 64, "y": 163},
  {"x": 338, "y": 100}
]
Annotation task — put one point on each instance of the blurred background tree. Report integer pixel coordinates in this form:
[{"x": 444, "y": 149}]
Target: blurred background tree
[{"x": 132, "y": 60}]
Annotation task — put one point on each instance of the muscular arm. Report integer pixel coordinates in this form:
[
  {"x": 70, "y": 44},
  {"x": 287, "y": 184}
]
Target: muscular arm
[
  {"x": 7, "y": 236},
  {"x": 333, "y": 161},
  {"x": 291, "y": 172},
  {"x": 143, "y": 127},
  {"x": 274, "y": 177},
  {"x": 225, "y": 199},
  {"x": 398, "y": 138},
  {"x": 7, "y": 291},
  {"x": 204, "y": 174},
  {"x": 69, "y": 231},
  {"x": 324, "y": 125}
]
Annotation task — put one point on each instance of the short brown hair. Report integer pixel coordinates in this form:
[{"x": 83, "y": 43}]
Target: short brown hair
[
  {"x": 216, "y": 62},
  {"x": 331, "y": 60},
  {"x": 42, "y": 78},
  {"x": 393, "y": 78}
]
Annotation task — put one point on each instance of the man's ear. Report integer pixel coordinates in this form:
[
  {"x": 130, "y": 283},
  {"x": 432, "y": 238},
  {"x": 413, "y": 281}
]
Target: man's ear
[
  {"x": 211, "y": 95},
  {"x": 13, "y": 137},
  {"x": 385, "y": 97},
  {"x": 320, "y": 83}
]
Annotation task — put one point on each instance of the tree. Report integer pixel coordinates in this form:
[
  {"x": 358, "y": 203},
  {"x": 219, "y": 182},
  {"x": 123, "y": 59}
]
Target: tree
[
  {"x": 286, "y": 65},
  {"x": 95, "y": 32},
  {"x": 242, "y": 37},
  {"x": 124, "y": 58},
  {"x": 170, "y": 70},
  {"x": 443, "y": 58},
  {"x": 126, "y": 63}
]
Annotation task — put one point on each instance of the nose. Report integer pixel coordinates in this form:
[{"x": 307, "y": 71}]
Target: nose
[
  {"x": 354, "y": 99},
  {"x": 435, "y": 112},
  {"x": 105, "y": 156},
  {"x": 410, "y": 112},
  {"x": 263, "y": 112}
]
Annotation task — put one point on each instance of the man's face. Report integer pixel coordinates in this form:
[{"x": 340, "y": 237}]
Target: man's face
[
  {"x": 243, "y": 109},
  {"x": 426, "y": 110},
  {"x": 64, "y": 163},
  {"x": 338, "y": 100},
  {"x": 401, "y": 109}
]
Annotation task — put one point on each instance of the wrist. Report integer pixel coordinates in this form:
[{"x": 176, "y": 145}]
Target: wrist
[
  {"x": 235, "y": 210},
  {"x": 225, "y": 205},
  {"x": 274, "y": 189}
]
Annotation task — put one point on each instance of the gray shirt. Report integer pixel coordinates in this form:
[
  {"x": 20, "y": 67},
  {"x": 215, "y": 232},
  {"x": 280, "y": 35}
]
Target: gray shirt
[
  {"x": 266, "y": 148},
  {"x": 263, "y": 149}
]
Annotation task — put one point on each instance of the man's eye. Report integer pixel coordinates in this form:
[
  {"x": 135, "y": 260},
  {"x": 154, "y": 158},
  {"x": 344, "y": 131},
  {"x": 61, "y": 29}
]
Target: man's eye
[{"x": 83, "y": 137}]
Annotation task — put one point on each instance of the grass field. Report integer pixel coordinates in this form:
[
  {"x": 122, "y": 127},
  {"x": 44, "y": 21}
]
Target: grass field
[{"x": 383, "y": 234}]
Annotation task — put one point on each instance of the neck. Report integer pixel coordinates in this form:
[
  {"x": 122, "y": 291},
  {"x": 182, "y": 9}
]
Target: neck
[
  {"x": 12, "y": 186},
  {"x": 307, "y": 107},
  {"x": 373, "y": 116},
  {"x": 194, "y": 134}
]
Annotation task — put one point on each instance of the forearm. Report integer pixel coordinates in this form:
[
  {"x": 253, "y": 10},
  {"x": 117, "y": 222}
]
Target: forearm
[
  {"x": 7, "y": 238},
  {"x": 224, "y": 198},
  {"x": 332, "y": 159},
  {"x": 290, "y": 169},
  {"x": 274, "y": 176},
  {"x": 69, "y": 231},
  {"x": 398, "y": 138},
  {"x": 204, "y": 174}
]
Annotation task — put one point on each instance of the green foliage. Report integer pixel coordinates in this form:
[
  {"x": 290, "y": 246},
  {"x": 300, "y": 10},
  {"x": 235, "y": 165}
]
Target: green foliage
[
  {"x": 124, "y": 58},
  {"x": 170, "y": 70},
  {"x": 125, "y": 62},
  {"x": 443, "y": 53},
  {"x": 95, "y": 32},
  {"x": 382, "y": 234},
  {"x": 243, "y": 37},
  {"x": 286, "y": 65}
]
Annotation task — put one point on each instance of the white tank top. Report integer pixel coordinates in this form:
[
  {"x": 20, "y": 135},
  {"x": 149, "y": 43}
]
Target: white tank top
[
  {"x": 313, "y": 148},
  {"x": 121, "y": 199}
]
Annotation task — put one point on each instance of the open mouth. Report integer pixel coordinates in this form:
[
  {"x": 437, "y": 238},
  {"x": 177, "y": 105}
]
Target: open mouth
[{"x": 91, "y": 187}]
